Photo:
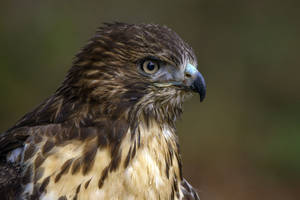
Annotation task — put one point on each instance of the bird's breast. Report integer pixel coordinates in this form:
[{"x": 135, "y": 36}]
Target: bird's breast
[{"x": 148, "y": 169}]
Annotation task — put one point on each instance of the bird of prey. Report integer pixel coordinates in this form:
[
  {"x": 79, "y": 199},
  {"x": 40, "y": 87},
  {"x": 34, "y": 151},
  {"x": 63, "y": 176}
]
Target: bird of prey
[{"x": 108, "y": 132}]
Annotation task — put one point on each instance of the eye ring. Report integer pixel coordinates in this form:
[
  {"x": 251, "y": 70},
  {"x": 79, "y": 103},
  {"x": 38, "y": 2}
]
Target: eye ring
[{"x": 150, "y": 66}]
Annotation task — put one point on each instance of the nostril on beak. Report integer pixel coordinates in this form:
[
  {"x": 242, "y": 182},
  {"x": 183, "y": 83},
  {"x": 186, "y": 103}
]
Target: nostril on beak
[{"x": 188, "y": 75}]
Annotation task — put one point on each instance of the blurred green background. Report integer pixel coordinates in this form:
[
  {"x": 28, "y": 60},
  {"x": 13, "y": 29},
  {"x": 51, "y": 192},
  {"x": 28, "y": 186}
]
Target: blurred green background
[{"x": 243, "y": 142}]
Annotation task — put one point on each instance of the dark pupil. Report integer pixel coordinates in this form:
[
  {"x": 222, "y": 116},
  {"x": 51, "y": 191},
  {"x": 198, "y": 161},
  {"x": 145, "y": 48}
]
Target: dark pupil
[{"x": 150, "y": 66}]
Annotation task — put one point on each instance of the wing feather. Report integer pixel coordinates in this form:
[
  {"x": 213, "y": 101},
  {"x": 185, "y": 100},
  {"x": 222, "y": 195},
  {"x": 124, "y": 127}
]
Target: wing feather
[{"x": 188, "y": 191}]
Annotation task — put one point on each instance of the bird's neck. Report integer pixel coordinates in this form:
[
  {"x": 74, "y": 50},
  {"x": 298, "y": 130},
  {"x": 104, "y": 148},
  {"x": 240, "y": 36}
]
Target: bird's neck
[{"x": 153, "y": 153}]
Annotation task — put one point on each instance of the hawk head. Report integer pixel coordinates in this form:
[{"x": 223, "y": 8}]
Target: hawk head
[{"x": 133, "y": 70}]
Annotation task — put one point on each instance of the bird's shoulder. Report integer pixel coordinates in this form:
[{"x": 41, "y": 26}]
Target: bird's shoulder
[{"x": 21, "y": 147}]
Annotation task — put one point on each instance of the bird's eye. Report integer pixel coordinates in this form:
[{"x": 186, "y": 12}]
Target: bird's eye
[{"x": 150, "y": 67}]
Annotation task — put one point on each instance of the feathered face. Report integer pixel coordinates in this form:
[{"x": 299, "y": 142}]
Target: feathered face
[{"x": 133, "y": 69}]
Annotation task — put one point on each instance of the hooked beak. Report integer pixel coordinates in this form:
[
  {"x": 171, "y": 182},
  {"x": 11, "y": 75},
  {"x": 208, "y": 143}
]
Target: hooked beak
[{"x": 195, "y": 81}]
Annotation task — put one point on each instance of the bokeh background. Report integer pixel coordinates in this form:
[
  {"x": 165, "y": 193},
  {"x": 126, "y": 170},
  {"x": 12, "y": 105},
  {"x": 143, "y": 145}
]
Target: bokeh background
[{"x": 243, "y": 142}]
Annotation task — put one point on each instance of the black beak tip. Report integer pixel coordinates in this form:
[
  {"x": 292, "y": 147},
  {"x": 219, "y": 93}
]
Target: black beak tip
[
  {"x": 199, "y": 86},
  {"x": 202, "y": 95}
]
